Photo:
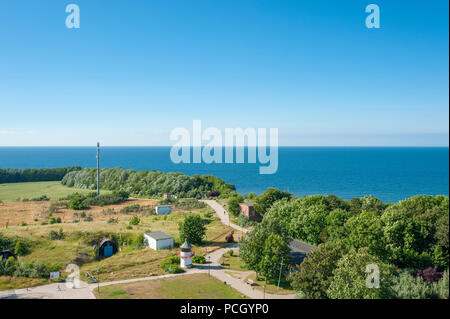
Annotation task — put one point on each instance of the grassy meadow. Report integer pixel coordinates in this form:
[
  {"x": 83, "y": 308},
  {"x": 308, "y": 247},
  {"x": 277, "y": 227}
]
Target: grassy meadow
[
  {"x": 196, "y": 286},
  {"x": 10, "y": 192},
  {"x": 30, "y": 222}
]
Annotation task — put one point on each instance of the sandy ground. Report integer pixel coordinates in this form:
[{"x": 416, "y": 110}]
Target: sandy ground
[{"x": 34, "y": 213}]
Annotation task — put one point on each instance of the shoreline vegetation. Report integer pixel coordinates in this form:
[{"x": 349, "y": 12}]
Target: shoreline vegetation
[{"x": 407, "y": 241}]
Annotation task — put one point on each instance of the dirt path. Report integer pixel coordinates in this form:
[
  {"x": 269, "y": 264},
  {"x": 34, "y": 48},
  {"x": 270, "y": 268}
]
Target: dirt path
[{"x": 223, "y": 215}]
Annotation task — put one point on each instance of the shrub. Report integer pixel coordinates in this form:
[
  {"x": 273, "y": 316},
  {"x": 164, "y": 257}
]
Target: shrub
[
  {"x": 230, "y": 252},
  {"x": 139, "y": 241},
  {"x": 134, "y": 220},
  {"x": 23, "y": 223},
  {"x": 213, "y": 193},
  {"x": 21, "y": 249},
  {"x": 199, "y": 259},
  {"x": 77, "y": 202},
  {"x": 113, "y": 220},
  {"x": 54, "y": 235},
  {"x": 170, "y": 262}
]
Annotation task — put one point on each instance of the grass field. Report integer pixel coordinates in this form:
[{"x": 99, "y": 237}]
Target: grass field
[
  {"x": 196, "y": 286},
  {"x": 54, "y": 190},
  {"x": 29, "y": 220}
]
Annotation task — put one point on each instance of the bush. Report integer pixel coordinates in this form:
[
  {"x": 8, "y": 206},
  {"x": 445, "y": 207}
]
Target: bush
[
  {"x": 135, "y": 220},
  {"x": 199, "y": 259},
  {"x": 77, "y": 202},
  {"x": 23, "y": 223},
  {"x": 54, "y": 235},
  {"x": 244, "y": 222},
  {"x": 213, "y": 194},
  {"x": 230, "y": 252},
  {"x": 113, "y": 221},
  {"x": 170, "y": 262},
  {"x": 21, "y": 249},
  {"x": 139, "y": 241},
  {"x": 189, "y": 203}
]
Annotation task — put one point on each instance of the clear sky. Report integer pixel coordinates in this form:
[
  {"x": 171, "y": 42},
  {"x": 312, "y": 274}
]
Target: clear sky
[{"x": 137, "y": 69}]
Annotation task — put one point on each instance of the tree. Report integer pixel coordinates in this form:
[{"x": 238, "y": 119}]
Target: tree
[
  {"x": 275, "y": 252},
  {"x": 308, "y": 223},
  {"x": 266, "y": 199},
  {"x": 350, "y": 277},
  {"x": 365, "y": 230},
  {"x": 193, "y": 228},
  {"x": 335, "y": 222},
  {"x": 315, "y": 273},
  {"x": 410, "y": 230},
  {"x": 233, "y": 204},
  {"x": 252, "y": 246}
]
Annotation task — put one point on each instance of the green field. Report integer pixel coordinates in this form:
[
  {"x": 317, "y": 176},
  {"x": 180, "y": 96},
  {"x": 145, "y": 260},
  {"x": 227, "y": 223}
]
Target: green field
[
  {"x": 197, "y": 286},
  {"x": 54, "y": 190}
]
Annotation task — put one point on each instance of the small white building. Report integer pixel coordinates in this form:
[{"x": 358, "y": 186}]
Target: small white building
[
  {"x": 163, "y": 209},
  {"x": 158, "y": 240}
]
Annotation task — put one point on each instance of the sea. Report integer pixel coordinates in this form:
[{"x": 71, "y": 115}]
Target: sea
[{"x": 388, "y": 173}]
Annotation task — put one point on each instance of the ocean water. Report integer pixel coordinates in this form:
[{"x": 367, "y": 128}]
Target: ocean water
[{"x": 389, "y": 173}]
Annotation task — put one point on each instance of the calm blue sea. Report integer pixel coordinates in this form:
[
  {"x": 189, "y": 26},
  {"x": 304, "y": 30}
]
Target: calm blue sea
[{"x": 389, "y": 173}]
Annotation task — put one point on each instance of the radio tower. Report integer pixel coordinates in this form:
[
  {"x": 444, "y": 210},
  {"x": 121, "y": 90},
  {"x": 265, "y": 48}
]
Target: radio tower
[{"x": 98, "y": 168}]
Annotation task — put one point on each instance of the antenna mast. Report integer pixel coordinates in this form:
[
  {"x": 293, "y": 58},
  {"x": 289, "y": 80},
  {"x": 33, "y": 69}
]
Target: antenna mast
[{"x": 98, "y": 168}]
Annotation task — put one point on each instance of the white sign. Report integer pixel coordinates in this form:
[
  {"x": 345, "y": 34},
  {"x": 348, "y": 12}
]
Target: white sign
[{"x": 54, "y": 275}]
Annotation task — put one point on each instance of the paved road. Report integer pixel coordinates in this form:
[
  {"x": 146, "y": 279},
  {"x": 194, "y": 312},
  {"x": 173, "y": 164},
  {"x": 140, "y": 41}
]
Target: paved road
[{"x": 60, "y": 291}]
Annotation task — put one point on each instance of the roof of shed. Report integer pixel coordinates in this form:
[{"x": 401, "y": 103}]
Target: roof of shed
[
  {"x": 158, "y": 235},
  {"x": 247, "y": 204},
  {"x": 299, "y": 250}
]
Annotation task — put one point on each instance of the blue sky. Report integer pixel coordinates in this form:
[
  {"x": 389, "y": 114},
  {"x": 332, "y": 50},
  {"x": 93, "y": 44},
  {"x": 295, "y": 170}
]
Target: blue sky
[{"x": 137, "y": 69}]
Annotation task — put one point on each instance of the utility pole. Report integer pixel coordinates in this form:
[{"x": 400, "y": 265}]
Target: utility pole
[
  {"x": 279, "y": 277},
  {"x": 98, "y": 168}
]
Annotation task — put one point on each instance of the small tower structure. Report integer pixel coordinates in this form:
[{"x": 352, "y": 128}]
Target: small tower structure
[{"x": 186, "y": 254}]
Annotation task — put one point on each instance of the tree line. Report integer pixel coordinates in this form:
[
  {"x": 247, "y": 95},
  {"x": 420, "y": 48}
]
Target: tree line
[
  {"x": 148, "y": 183},
  {"x": 403, "y": 239},
  {"x": 15, "y": 175}
]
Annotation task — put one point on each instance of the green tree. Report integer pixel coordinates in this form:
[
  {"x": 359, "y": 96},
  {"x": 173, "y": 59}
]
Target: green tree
[
  {"x": 410, "y": 232},
  {"x": 193, "y": 228},
  {"x": 275, "y": 252},
  {"x": 315, "y": 273},
  {"x": 365, "y": 230},
  {"x": 335, "y": 222},
  {"x": 266, "y": 199},
  {"x": 349, "y": 278},
  {"x": 252, "y": 246},
  {"x": 233, "y": 204}
]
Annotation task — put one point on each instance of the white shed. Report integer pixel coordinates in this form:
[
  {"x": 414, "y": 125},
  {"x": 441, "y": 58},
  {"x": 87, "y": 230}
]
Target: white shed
[
  {"x": 158, "y": 240},
  {"x": 163, "y": 209}
]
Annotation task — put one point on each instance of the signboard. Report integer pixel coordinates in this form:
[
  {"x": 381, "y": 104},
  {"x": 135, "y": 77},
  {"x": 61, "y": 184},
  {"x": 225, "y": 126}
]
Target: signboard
[{"x": 54, "y": 275}]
